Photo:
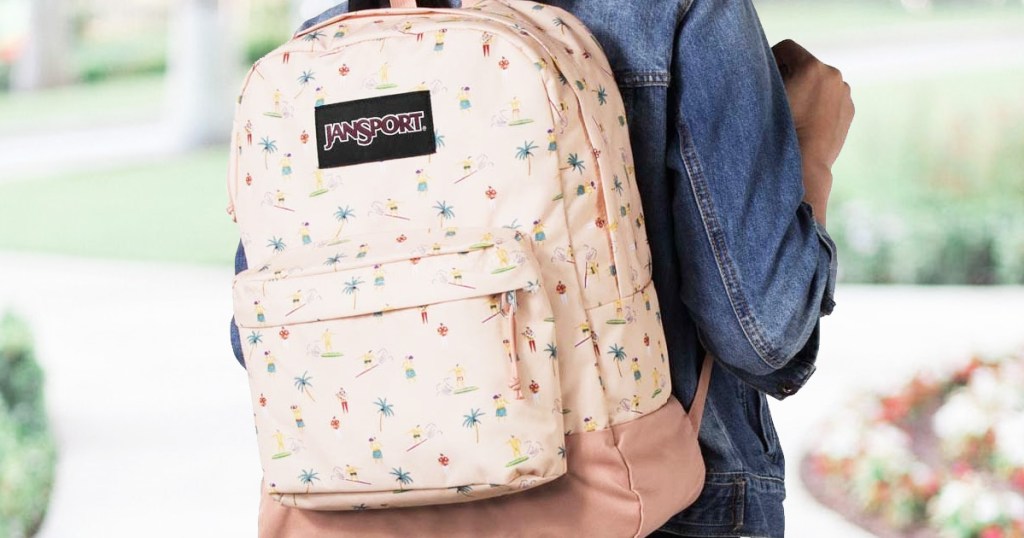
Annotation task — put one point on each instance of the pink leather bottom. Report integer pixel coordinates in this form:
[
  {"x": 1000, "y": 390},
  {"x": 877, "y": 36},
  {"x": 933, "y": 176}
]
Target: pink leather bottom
[{"x": 625, "y": 481}]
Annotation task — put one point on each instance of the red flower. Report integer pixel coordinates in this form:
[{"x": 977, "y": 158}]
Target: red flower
[
  {"x": 599, "y": 222},
  {"x": 304, "y": 137},
  {"x": 960, "y": 468},
  {"x": 992, "y": 531},
  {"x": 401, "y": 238},
  {"x": 503, "y": 63},
  {"x": 1017, "y": 478},
  {"x": 344, "y": 70},
  {"x": 248, "y": 179},
  {"x": 490, "y": 193},
  {"x": 263, "y": 400},
  {"x": 284, "y": 333}
]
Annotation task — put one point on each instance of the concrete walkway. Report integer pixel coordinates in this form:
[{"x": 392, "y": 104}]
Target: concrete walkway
[
  {"x": 150, "y": 410},
  {"x": 155, "y": 430}
]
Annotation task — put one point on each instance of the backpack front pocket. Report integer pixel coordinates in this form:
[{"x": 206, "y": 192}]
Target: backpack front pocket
[{"x": 402, "y": 369}]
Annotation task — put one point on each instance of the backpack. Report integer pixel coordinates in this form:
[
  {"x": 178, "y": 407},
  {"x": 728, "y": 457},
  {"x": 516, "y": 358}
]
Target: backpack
[{"x": 449, "y": 306}]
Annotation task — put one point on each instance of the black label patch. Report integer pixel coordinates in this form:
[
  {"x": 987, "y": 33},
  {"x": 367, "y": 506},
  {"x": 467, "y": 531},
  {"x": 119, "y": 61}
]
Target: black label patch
[{"x": 375, "y": 129}]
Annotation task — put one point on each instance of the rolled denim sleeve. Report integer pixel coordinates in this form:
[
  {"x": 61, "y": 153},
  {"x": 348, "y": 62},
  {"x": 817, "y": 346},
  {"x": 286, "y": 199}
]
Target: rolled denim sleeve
[{"x": 757, "y": 269}]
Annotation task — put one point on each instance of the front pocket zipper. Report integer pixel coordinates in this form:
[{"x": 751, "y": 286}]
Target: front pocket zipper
[{"x": 417, "y": 363}]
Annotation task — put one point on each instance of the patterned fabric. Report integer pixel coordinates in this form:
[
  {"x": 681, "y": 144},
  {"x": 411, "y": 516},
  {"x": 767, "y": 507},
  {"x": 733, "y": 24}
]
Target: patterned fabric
[{"x": 436, "y": 325}]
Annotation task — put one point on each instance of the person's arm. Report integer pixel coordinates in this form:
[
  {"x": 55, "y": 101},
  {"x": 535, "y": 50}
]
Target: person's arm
[
  {"x": 757, "y": 269},
  {"x": 822, "y": 110}
]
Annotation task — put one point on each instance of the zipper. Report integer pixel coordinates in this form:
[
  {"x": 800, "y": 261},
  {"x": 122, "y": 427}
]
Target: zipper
[{"x": 508, "y": 306}]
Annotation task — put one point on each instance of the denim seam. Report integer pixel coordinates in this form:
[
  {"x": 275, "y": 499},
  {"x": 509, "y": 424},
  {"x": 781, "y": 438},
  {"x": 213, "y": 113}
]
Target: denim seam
[
  {"x": 743, "y": 474},
  {"x": 684, "y": 8},
  {"x": 716, "y": 236},
  {"x": 641, "y": 79},
  {"x": 737, "y": 509}
]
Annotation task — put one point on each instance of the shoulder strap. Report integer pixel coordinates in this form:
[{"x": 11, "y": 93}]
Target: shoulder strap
[{"x": 696, "y": 411}]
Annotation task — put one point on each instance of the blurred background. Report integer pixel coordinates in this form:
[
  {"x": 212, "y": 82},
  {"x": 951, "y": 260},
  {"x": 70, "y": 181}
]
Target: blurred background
[{"x": 116, "y": 260}]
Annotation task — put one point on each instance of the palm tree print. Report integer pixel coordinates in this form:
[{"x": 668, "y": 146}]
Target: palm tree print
[
  {"x": 525, "y": 153},
  {"x": 352, "y": 288},
  {"x": 444, "y": 211},
  {"x": 253, "y": 339},
  {"x": 343, "y": 214},
  {"x": 307, "y": 478},
  {"x": 552, "y": 351},
  {"x": 269, "y": 146},
  {"x": 438, "y": 144},
  {"x": 575, "y": 163},
  {"x": 302, "y": 384},
  {"x": 619, "y": 354},
  {"x": 384, "y": 409},
  {"x": 602, "y": 95},
  {"x": 304, "y": 80},
  {"x": 617, "y": 185},
  {"x": 559, "y": 23},
  {"x": 472, "y": 420},
  {"x": 276, "y": 243},
  {"x": 313, "y": 38},
  {"x": 333, "y": 261},
  {"x": 465, "y": 491},
  {"x": 402, "y": 477}
]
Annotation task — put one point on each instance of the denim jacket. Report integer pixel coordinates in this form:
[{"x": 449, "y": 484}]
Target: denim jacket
[{"x": 741, "y": 267}]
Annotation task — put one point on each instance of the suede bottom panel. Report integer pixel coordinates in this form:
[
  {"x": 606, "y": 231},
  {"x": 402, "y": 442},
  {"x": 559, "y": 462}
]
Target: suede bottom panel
[{"x": 624, "y": 481}]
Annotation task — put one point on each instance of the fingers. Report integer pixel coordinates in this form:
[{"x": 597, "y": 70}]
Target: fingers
[{"x": 791, "y": 57}]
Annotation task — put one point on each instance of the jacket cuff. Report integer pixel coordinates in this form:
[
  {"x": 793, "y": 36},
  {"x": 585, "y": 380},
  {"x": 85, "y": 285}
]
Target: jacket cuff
[
  {"x": 789, "y": 379},
  {"x": 828, "y": 302}
]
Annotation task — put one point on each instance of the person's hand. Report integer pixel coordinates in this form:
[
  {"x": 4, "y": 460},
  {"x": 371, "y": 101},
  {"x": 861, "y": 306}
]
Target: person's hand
[{"x": 822, "y": 112}]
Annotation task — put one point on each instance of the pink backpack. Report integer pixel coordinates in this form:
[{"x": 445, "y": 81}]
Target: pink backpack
[{"x": 449, "y": 307}]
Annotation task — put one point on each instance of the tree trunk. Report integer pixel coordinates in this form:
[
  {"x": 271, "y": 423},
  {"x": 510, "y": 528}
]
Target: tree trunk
[
  {"x": 204, "y": 70},
  {"x": 46, "y": 58}
]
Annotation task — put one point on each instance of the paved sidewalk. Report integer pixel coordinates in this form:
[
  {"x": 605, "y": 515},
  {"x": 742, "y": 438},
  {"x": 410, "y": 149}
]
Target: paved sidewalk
[{"x": 151, "y": 411}]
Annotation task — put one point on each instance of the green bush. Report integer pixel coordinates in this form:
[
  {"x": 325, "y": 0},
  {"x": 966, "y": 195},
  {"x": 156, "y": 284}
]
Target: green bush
[
  {"x": 929, "y": 189},
  {"x": 27, "y": 452}
]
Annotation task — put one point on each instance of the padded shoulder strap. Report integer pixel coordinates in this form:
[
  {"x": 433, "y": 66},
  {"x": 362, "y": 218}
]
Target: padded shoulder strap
[{"x": 696, "y": 411}]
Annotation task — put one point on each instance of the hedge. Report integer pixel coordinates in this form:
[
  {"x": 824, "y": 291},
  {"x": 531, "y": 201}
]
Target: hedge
[{"x": 27, "y": 451}]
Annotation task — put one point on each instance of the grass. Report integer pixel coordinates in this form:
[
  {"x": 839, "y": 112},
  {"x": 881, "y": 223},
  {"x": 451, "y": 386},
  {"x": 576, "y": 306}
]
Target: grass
[
  {"x": 929, "y": 188},
  {"x": 107, "y": 102},
  {"x": 167, "y": 211}
]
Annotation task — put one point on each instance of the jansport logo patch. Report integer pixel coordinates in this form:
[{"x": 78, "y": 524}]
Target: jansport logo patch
[
  {"x": 365, "y": 130},
  {"x": 375, "y": 129}
]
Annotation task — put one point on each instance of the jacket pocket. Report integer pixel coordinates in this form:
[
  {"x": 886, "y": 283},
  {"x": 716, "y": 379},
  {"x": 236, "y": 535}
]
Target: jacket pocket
[{"x": 402, "y": 369}]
